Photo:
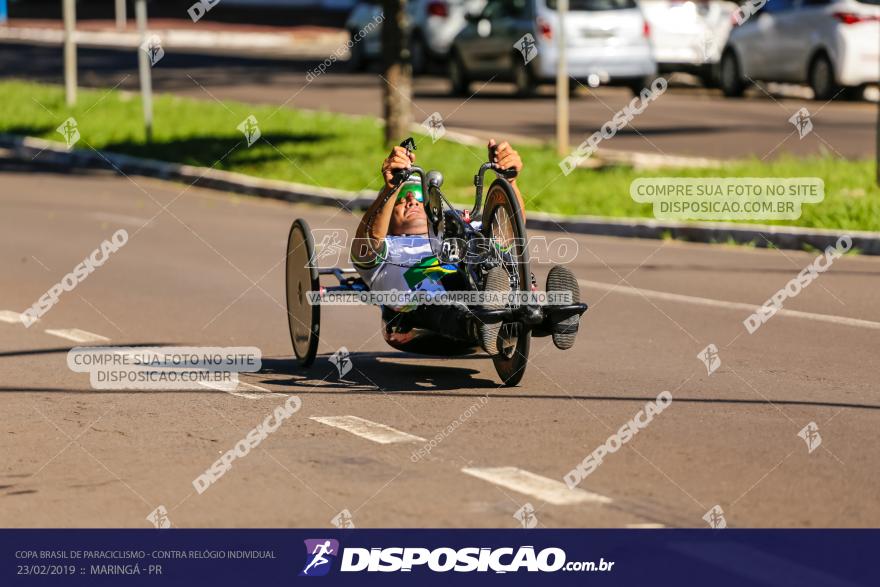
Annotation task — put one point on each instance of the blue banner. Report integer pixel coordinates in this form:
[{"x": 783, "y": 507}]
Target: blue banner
[{"x": 802, "y": 558}]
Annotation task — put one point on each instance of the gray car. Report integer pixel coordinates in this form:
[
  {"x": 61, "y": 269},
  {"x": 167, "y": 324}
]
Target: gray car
[{"x": 607, "y": 42}]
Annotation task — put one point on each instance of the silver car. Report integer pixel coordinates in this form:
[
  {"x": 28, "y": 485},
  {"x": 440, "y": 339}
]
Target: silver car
[
  {"x": 688, "y": 35},
  {"x": 434, "y": 24},
  {"x": 607, "y": 42}
]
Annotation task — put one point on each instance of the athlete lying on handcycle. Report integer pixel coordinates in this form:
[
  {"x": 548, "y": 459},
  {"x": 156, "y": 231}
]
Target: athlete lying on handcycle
[{"x": 401, "y": 254}]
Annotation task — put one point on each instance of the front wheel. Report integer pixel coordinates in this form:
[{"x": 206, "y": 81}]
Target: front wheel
[
  {"x": 505, "y": 229},
  {"x": 301, "y": 277}
]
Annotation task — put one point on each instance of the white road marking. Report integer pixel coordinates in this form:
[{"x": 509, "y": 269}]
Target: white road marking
[
  {"x": 10, "y": 317},
  {"x": 750, "y": 308},
  {"x": 545, "y": 489},
  {"x": 77, "y": 335},
  {"x": 239, "y": 390},
  {"x": 365, "y": 429}
]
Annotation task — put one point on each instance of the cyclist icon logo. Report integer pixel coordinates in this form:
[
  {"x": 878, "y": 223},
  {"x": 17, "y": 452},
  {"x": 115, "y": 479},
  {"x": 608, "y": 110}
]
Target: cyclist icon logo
[
  {"x": 320, "y": 554},
  {"x": 527, "y": 46},
  {"x": 69, "y": 131},
  {"x": 810, "y": 435},
  {"x": 710, "y": 358},
  {"x": 434, "y": 125},
  {"x": 802, "y": 122},
  {"x": 250, "y": 129},
  {"x": 153, "y": 48},
  {"x": 331, "y": 245}
]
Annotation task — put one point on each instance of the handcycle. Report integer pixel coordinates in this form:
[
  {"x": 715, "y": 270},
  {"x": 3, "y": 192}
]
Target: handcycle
[{"x": 475, "y": 241}]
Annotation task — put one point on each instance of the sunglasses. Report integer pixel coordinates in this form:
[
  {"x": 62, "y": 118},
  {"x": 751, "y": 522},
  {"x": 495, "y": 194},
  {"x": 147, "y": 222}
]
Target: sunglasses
[{"x": 417, "y": 194}]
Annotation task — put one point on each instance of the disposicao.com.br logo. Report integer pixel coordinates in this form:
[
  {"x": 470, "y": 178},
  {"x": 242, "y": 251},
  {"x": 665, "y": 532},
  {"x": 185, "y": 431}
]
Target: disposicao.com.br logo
[
  {"x": 441, "y": 560},
  {"x": 320, "y": 555}
]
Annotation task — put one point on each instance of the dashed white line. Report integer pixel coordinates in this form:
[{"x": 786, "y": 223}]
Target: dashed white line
[
  {"x": 750, "y": 308},
  {"x": 543, "y": 488},
  {"x": 10, "y": 317},
  {"x": 238, "y": 390},
  {"x": 77, "y": 335},
  {"x": 365, "y": 429}
]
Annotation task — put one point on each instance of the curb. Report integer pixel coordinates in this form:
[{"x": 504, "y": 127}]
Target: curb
[
  {"x": 55, "y": 154},
  {"x": 267, "y": 45},
  {"x": 785, "y": 237}
]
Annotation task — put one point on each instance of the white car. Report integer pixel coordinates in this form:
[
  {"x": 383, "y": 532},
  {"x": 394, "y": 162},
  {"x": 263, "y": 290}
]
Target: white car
[
  {"x": 606, "y": 42},
  {"x": 689, "y": 35},
  {"x": 435, "y": 23},
  {"x": 832, "y": 45}
]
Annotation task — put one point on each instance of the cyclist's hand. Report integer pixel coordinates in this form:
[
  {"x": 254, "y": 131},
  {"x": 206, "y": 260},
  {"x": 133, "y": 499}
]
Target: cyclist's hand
[
  {"x": 506, "y": 157},
  {"x": 397, "y": 160}
]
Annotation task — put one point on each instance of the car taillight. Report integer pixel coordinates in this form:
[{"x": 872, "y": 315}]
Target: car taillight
[
  {"x": 851, "y": 18},
  {"x": 646, "y": 30},
  {"x": 544, "y": 29},
  {"x": 438, "y": 9}
]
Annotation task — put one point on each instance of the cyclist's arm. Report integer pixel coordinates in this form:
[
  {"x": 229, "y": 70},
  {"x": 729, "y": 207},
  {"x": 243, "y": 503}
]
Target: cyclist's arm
[
  {"x": 369, "y": 239},
  {"x": 507, "y": 157}
]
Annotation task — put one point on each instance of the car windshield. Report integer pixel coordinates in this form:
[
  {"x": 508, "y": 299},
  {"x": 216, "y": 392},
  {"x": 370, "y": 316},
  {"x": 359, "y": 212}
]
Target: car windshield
[{"x": 596, "y": 4}]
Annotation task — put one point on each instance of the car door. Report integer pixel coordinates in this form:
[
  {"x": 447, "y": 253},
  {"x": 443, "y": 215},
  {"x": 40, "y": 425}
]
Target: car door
[
  {"x": 491, "y": 40},
  {"x": 769, "y": 42},
  {"x": 794, "y": 28},
  {"x": 807, "y": 31}
]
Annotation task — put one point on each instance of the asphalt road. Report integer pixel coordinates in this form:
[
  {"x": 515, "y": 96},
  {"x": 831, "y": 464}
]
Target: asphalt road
[
  {"x": 684, "y": 121},
  {"x": 206, "y": 268}
]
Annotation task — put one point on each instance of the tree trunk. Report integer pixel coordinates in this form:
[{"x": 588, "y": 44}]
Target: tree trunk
[{"x": 397, "y": 86}]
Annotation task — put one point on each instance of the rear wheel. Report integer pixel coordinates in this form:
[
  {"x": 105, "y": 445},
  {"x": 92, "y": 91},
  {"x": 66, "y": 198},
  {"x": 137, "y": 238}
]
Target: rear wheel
[
  {"x": 458, "y": 75},
  {"x": 524, "y": 79},
  {"x": 822, "y": 78},
  {"x": 730, "y": 77},
  {"x": 418, "y": 54},
  {"x": 503, "y": 225},
  {"x": 357, "y": 60},
  {"x": 303, "y": 318}
]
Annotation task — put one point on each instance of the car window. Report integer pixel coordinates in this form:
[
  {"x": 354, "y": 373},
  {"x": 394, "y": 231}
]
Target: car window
[
  {"x": 496, "y": 9},
  {"x": 816, "y": 2},
  {"x": 595, "y": 4}
]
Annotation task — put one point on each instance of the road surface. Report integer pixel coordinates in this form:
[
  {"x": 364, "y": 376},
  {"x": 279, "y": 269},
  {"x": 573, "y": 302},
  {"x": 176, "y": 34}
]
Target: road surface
[{"x": 206, "y": 268}]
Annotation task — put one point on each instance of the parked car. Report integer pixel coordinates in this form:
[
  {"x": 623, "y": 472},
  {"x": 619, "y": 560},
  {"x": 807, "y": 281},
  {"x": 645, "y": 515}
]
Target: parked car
[
  {"x": 689, "y": 35},
  {"x": 434, "y": 24},
  {"x": 832, "y": 45},
  {"x": 606, "y": 41}
]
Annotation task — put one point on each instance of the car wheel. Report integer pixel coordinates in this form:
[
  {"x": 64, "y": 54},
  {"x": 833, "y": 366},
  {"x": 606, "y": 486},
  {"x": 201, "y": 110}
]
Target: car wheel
[
  {"x": 822, "y": 78},
  {"x": 524, "y": 80},
  {"x": 637, "y": 85},
  {"x": 357, "y": 60},
  {"x": 458, "y": 76},
  {"x": 418, "y": 53},
  {"x": 730, "y": 77}
]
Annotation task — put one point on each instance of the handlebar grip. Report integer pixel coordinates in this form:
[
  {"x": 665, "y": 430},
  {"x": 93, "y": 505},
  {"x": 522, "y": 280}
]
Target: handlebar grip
[
  {"x": 506, "y": 173},
  {"x": 400, "y": 176}
]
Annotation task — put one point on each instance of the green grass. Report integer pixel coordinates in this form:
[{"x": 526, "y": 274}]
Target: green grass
[{"x": 333, "y": 150}]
